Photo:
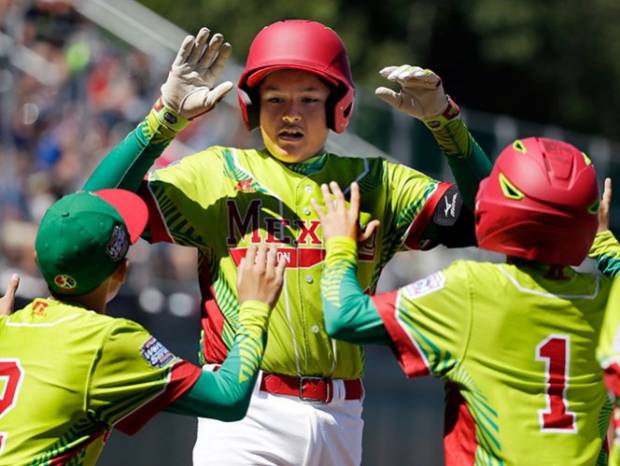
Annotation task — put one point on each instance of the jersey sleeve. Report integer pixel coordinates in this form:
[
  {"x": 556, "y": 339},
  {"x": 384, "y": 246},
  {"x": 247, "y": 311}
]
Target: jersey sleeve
[
  {"x": 134, "y": 376},
  {"x": 429, "y": 212},
  {"x": 225, "y": 394},
  {"x": 180, "y": 198},
  {"x": 129, "y": 161},
  {"x": 349, "y": 314},
  {"x": 608, "y": 355},
  {"x": 429, "y": 321},
  {"x": 468, "y": 162},
  {"x": 606, "y": 251},
  {"x": 608, "y": 351},
  {"x": 412, "y": 198}
]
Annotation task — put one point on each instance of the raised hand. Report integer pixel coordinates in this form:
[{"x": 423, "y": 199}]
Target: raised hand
[
  {"x": 190, "y": 89},
  {"x": 260, "y": 275},
  {"x": 421, "y": 93},
  {"x": 603, "y": 210},
  {"x": 8, "y": 300},
  {"x": 340, "y": 220}
]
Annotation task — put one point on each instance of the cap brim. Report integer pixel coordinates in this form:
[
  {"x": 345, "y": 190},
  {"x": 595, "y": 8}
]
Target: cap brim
[
  {"x": 255, "y": 78},
  {"x": 130, "y": 207}
]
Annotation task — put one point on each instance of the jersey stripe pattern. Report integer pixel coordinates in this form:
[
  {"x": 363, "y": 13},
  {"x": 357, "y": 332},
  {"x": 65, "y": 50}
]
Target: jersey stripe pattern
[
  {"x": 223, "y": 199},
  {"x": 69, "y": 375},
  {"x": 608, "y": 353},
  {"x": 606, "y": 251},
  {"x": 518, "y": 352}
]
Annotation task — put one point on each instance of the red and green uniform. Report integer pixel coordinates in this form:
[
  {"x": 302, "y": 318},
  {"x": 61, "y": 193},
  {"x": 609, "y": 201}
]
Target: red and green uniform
[
  {"x": 223, "y": 199},
  {"x": 606, "y": 251},
  {"x": 515, "y": 347},
  {"x": 68, "y": 375},
  {"x": 606, "y": 248},
  {"x": 82, "y": 373}
]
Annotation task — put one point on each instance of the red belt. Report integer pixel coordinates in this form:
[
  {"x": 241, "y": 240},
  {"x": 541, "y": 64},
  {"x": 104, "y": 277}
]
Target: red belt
[{"x": 309, "y": 388}]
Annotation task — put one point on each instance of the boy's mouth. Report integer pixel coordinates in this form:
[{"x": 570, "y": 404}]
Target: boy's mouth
[{"x": 291, "y": 134}]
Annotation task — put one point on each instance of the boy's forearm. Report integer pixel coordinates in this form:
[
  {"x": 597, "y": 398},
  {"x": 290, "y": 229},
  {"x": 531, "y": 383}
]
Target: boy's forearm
[
  {"x": 225, "y": 394},
  {"x": 468, "y": 162},
  {"x": 129, "y": 161},
  {"x": 349, "y": 313}
]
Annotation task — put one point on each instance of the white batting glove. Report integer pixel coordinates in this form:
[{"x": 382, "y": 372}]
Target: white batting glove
[
  {"x": 421, "y": 93},
  {"x": 189, "y": 90}
]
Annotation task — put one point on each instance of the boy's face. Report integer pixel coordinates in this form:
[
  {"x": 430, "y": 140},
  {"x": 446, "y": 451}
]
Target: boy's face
[{"x": 293, "y": 123}]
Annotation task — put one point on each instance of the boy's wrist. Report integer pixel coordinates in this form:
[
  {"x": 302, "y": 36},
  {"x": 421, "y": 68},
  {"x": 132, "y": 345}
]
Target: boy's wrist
[{"x": 167, "y": 117}]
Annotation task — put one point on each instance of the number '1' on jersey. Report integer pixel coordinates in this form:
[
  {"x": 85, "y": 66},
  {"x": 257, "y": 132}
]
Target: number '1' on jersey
[{"x": 518, "y": 352}]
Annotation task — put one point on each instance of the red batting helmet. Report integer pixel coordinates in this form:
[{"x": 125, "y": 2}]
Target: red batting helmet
[
  {"x": 299, "y": 45},
  {"x": 540, "y": 203}
]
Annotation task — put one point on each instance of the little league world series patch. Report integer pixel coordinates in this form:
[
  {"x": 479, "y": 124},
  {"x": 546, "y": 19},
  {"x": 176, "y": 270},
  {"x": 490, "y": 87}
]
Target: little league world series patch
[
  {"x": 119, "y": 243},
  {"x": 426, "y": 285},
  {"x": 156, "y": 354}
]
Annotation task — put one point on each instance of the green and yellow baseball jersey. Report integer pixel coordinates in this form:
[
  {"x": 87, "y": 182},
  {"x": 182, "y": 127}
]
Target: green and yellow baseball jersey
[
  {"x": 223, "y": 199},
  {"x": 516, "y": 348},
  {"x": 68, "y": 375},
  {"x": 608, "y": 353},
  {"x": 518, "y": 351},
  {"x": 606, "y": 251}
]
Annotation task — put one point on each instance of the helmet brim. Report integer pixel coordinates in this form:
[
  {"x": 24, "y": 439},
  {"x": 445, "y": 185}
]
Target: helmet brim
[{"x": 254, "y": 79}]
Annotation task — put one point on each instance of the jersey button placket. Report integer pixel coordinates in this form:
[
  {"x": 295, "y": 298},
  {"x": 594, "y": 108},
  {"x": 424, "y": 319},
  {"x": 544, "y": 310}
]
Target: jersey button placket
[{"x": 302, "y": 205}]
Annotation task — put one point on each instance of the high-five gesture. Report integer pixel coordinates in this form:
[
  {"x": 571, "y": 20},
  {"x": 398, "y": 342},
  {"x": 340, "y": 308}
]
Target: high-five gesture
[
  {"x": 260, "y": 275},
  {"x": 603, "y": 210},
  {"x": 421, "y": 92},
  {"x": 190, "y": 88},
  {"x": 340, "y": 220}
]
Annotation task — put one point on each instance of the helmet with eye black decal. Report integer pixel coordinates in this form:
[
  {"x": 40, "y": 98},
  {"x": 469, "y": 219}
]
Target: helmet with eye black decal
[{"x": 539, "y": 203}]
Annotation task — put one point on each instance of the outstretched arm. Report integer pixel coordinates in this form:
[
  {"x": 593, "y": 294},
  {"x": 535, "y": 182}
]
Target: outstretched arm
[
  {"x": 606, "y": 248},
  {"x": 225, "y": 394},
  {"x": 422, "y": 96},
  {"x": 188, "y": 92},
  {"x": 349, "y": 314}
]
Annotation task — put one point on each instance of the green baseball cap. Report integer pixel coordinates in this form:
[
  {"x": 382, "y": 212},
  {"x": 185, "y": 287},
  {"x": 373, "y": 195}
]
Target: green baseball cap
[{"x": 83, "y": 237}]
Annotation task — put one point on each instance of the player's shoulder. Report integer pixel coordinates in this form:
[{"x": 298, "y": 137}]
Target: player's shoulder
[
  {"x": 46, "y": 314},
  {"x": 477, "y": 275},
  {"x": 370, "y": 172},
  {"x": 121, "y": 325},
  {"x": 469, "y": 268},
  {"x": 209, "y": 158},
  {"x": 353, "y": 161},
  {"x": 454, "y": 277}
]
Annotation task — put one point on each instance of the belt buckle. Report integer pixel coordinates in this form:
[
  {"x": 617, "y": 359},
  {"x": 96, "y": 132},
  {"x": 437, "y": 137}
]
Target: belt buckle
[{"x": 327, "y": 388}]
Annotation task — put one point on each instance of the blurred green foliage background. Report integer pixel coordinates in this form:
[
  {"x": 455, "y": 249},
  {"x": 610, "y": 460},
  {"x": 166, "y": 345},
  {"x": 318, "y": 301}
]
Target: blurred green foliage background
[{"x": 547, "y": 61}]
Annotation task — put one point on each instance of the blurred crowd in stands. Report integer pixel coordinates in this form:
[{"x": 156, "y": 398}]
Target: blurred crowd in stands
[{"x": 68, "y": 93}]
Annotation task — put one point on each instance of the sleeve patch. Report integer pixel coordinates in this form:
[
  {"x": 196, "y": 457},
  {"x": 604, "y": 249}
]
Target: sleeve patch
[
  {"x": 425, "y": 286},
  {"x": 155, "y": 353},
  {"x": 449, "y": 208}
]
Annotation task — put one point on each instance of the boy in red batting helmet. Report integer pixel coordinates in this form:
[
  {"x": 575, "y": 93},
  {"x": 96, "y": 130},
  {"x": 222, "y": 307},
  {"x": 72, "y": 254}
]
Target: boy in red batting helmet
[
  {"x": 296, "y": 87},
  {"x": 515, "y": 342}
]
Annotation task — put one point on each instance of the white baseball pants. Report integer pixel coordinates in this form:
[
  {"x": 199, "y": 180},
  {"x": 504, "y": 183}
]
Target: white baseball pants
[{"x": 282, "y": 430}]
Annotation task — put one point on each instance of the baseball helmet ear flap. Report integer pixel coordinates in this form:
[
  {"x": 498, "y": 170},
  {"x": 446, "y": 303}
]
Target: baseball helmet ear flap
[
  {"x": 249, "y": 102},
  {"x": 339, "y": 107}
]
